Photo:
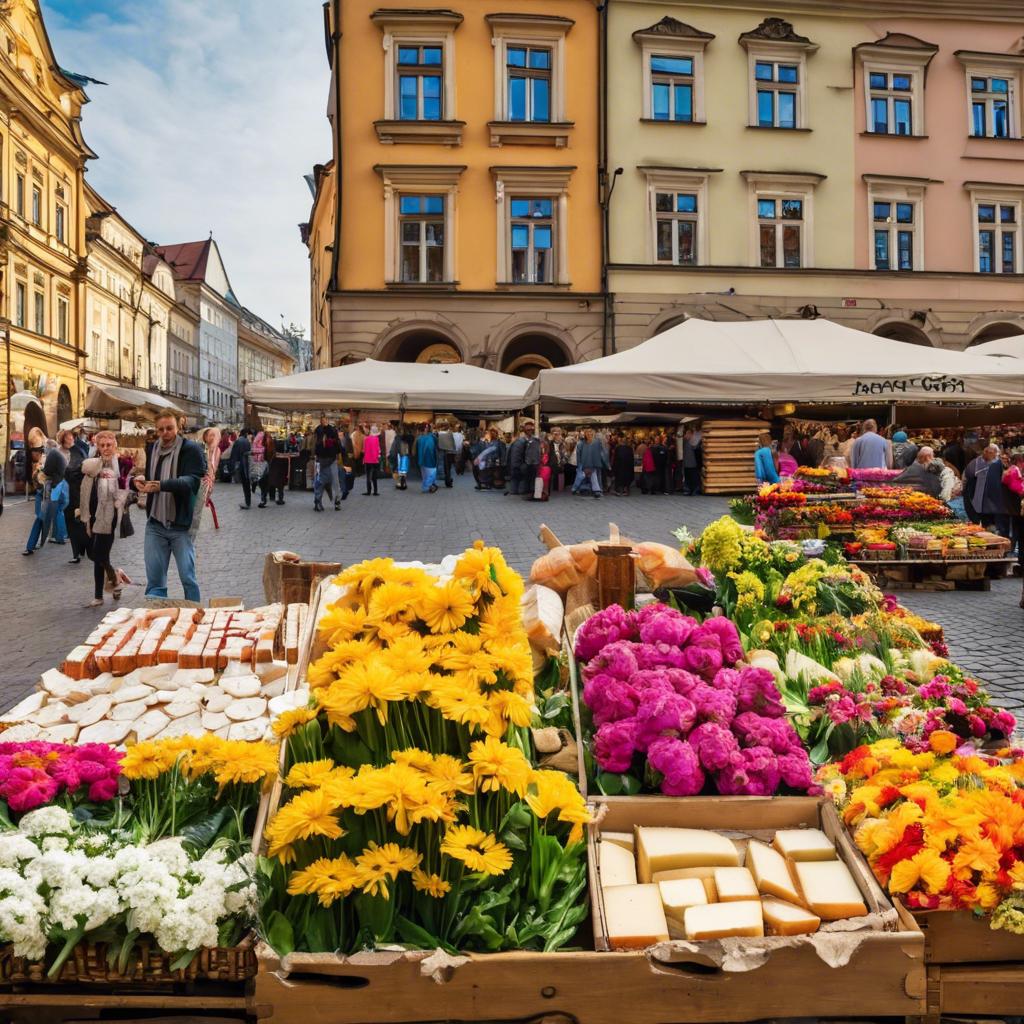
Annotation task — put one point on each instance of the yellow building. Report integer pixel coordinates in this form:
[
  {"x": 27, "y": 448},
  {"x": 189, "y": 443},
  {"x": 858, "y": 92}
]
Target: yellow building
[
  {"x": 467, "y": 225},
  {"x": 42, "y": 161},
  {"x": 263, "y": 354}
]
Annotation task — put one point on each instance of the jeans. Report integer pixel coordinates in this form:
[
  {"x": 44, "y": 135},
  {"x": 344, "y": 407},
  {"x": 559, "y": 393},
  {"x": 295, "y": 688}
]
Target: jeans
[
  {"x": 326, "y": 477},
  {"x": 42, "y": 525},
  {"x": 162, "y": 542},
  {"x": 593, "y": 475},
  {"x": 429, "y": 474}
]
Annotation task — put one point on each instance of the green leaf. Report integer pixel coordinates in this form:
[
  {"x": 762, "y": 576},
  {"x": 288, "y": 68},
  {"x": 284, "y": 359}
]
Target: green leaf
[
  {"x": 630, "y": 785},
  {"x": 279, "y": 934},
  {"x": 202, "y": 833},
  {"x": 413, "y": 935},
  {"x": 819, "y": 753},
  {"x": 609, "y": 783}
]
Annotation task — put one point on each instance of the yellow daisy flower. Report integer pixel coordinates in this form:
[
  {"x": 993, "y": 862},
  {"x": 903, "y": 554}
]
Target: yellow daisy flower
[
  {"x": 432, "y": 885},
  {"x": 498, "y": 766},
  {"x": 479, "y": 851},
  {"x": 445, "y": 607}
]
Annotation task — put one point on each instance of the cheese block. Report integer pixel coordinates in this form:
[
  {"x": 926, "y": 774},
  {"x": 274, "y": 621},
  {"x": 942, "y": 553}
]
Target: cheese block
[
  {"x": 724, "y": 920},
  {"x": 634, "y": 916},
  {"x": 151, "y": 723},
  {"x": 91, "y": 711},
  {"x": 246, "y": 710},
  {"x": 241, "y": 686},
  {"x": 617, "y": 866},
  {"x": 804, "y": 844},
  {"x": 661, "y": 849},
  {"x": 105, "y": 731},
  {"x": 783, "y": 918},
  {"x": 734, "y": 884},
  {"x": 32, "y": 703},
  {"x": 828, "y": 889},
  {"x": 218, "y": 700},
  {"x": 771, "y": 872},
  {"x": 676, "y": 896},
  {"x": 64, "y": 733},
  {"x": 249, "y": 731},
  {"x": 706, "y": 876},
  {"x": 623, "y": 839}
]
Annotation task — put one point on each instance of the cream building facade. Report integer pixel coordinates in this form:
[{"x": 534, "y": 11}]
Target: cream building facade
[
  {"x": 263, "y": 354},
  {"x": 861, "y": 162}
]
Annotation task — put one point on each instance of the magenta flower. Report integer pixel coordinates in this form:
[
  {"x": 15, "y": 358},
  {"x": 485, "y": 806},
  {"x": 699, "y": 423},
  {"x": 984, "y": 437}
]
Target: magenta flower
[
  {"x": 660, "y": 656},
  {"x": 607, "y": 626},
  {"x": 755, "y": 730},
  {"x": 754, "y": 773},
  {"x": 715, "y": 745},
  {"x": 663, "y": 714},
  {"x": 842, "y": 710},
  {"x": 26, "y": 788},
  {"x": 757, "y": 692},
  {"x": 728, "y": 636},
  {"x": 617, "y": 659},
  {"x": 703, "y": 658},
  {"x": 614, "y": 745},
  {"x": 705, "y": 577},
  {"x": 796, "y": 770},
  {"x": 1004, "y": 722},
  {"x": 681, "y": 681},
  {"x": 610, "y": 699},
  {"x": 713, "y": 705},
  {"x": 678, "y": 766},
  {"x": 664, "y": 625}
]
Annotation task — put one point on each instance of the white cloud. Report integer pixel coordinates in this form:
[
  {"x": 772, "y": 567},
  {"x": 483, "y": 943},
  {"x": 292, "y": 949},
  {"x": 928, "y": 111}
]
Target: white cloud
[{"x": 213, "y": 111}]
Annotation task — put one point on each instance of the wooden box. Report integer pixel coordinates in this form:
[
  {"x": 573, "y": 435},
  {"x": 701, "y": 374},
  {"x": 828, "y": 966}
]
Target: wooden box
[
  {"x": 958, "y": 937},
  {"x": 975, "y": 990},
  {"x": 876, "y": 973}
]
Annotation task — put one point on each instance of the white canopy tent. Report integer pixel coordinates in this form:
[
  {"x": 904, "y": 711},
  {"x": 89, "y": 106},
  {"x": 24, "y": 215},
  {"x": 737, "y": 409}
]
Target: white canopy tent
[
  {"x": 378, "y": 385},
  {"x": 1009, "y": 351},
  {"x": 701, "y": 361},
  {"x": 127, "y": 403}
]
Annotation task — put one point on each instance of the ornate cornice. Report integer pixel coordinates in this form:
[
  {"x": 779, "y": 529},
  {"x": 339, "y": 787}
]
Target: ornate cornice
[
  {"x": 774, "y": 30},
  {"x": 671, "y": 28}
]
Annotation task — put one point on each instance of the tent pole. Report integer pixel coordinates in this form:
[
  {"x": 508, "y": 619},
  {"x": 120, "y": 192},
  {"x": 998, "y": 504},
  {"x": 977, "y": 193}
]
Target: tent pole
[{"x": 892, "y": 414}]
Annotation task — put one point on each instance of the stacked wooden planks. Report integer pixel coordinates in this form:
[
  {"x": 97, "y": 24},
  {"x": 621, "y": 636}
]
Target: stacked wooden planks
[{"x": 729, "y": 447}]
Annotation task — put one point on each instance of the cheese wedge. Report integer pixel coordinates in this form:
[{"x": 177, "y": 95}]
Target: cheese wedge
[
  {"x": 734, "y": 884},
  {"x": 800, "y": 844},
  {"x": 623, "y": 839},
  {"x": 723, "y": 920},
  {"x": 828, "y": 889},
  {"x": 661, "y": 849},
  {"x": 783, "y": 918},
  {"x": 634, "y": 916},
  {"x": 771, "y": 872},
  {"x": 676, "y": 896},
  {"x": 617, "y": 866}
]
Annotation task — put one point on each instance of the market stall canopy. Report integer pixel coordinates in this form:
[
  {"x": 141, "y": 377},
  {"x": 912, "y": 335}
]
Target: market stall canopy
[
  {"x": 126, "y": 403},
  {"x": 701, "y": 361},
  {"x": 1004, "y": 349},
  {"x": 378, "y": 385}
]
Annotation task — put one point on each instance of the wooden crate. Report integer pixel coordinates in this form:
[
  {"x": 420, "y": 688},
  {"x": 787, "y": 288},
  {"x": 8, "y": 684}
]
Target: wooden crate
[
  {"x": 958, "y": 937},
  {"x": 883, "y": 976},
  {"x": 72, "y": 1006},
  {"x": 975, "y": 989}
]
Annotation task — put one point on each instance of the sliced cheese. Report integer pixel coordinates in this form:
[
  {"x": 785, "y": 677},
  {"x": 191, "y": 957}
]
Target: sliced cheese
[
  {"x": 829, "y": 890},
  {"x": 623, "y": 839},
  {"x": 804, "y": 844},
  {"x": 706, "y": 876},
  {"x": 634, "y": 916},
  {"x": 679, "y": 894},
  {"x": 771, "y": 872},
  {"x": 734, "y": 884},
  {"x": 661, "y": 849},
  {"x": 723, "y": 920},
  {"x": 616, "y": 865},
  {"x": 784, "y": 918}
]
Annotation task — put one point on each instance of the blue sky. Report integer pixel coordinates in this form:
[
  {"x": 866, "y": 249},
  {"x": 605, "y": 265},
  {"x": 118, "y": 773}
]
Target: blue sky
[{"x": 213, "y": 111}]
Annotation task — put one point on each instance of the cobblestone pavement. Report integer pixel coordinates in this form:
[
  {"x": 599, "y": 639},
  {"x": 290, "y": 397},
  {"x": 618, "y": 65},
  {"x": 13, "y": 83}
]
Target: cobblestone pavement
[{"x": 43, "y": 597}]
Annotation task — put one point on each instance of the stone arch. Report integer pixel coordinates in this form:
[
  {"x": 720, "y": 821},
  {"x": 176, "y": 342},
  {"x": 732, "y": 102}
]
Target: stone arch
[
  {"x": 674, "y": 316},
  {"x": 532, "y": 349},
  {"x": 996, "y": 330},
  {"x": 907, "y": 331},
  {"x": 422, "y": 340},
  {"x": 65, "y": 405}
]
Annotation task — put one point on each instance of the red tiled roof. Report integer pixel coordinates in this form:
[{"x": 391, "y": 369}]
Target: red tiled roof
[{"x": 187, "y": 259}]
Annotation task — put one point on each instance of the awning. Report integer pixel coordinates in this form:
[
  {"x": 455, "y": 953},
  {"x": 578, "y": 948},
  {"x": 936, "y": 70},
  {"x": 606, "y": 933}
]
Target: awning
[
  {"x": 765, "y": 361},
  {"x": 126, "y": 403},
  {"x": 372, "y": 384}
]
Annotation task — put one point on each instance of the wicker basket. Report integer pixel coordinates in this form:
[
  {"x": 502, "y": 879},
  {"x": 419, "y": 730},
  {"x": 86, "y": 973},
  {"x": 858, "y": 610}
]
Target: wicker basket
[{"x": 147, "y": 965}]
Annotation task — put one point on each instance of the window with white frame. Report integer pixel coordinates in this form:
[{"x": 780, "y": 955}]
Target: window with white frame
[
  {"x": 893, "y": 234},
  {"x": 19, "y": 194},
  {"x": 677, "y": 211},
  {"x": 420, "y": 80},
  {"x": 990, "y": 107},
  {"x": 778, "y": 93},
  {"x": 62, "y": 319},
  {"x": 672, "y": 59},
  {"x": 419, "y": 222},
  {"x": 37, "y": 205},
  {"x": 890, "y": 102},
  {"x": 780, "y": 227},
  {"x": 59, "y": 222},
  {"x": 997, "y": 232},
  {"x": 532, "y": 239},
  {"x": 532, "y": 212},
  {"x": 21, "y": 304},
  {"x": 896, "y": 223},
  {"x": 39, "y": 312},
  {"x": 528, "y": 83},
  {"x": 421, "y": 238}
]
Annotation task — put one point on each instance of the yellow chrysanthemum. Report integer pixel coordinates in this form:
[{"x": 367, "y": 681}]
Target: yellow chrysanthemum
[
  {"x": 474, "y": 567},
  {"x": 328, "y": 879},
  {"x": 553, "y": 792},
  {"x": 148, "y": 760},
  {"x": 311, "y": 813},
  {"x": 432, "y": 885},
  {"x": 392, "y": 602},
  {"x": 310, "y": 774},
  {"x": 377, "y": 864},
  {"x": 292, "y": 720},
  {"x": 448, "y": 775},
  {"x": 341, "y": 622},
  {"x": 498, "y": 766},
  {"x": 513, "y": 709},
  {"x": 445, "y": 607},
  {"x": 240, "y": 761},
  {"x": 925, "y": 867},
  {"x": 366, "y": 575},
  {"x": 478, "y": 850}
]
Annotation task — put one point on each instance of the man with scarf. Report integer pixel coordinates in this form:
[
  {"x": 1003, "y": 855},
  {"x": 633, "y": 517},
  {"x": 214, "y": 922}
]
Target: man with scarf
[
  {"x": 983, "y": 491},
  {"x": 175, "y": 468}
]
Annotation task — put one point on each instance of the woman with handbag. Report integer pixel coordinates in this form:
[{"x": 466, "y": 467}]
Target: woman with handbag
[
  {"x": 48, "y": 472},
  {"x": 103, "y": 511}
]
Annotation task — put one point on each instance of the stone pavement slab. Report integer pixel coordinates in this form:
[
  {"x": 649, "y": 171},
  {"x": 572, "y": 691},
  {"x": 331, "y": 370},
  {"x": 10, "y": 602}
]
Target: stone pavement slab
[{"x": 42, "y": 598}]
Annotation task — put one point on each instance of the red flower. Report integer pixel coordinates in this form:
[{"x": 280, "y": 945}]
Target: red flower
[{"x": 911, "y": 843}]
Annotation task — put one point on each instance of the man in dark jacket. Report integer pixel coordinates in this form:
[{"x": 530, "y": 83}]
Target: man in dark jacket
[
  {"x": 922, "y": 474},
  {"x": 175, "y": 468},
  {"x": 983, "y": 491},
  {"x": 327, "y": 450},
  {"x": 240, "y": 457}
]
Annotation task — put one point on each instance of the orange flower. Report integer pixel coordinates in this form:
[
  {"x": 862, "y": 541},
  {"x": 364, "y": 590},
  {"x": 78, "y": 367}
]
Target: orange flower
[{"x": 943, "y": 742}]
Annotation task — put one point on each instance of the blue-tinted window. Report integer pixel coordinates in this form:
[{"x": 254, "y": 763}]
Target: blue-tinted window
[
  {"x": 683, "y": 103},
  {"x": 979, "y": 85},
  {"x": 408, "y": 93},
  {"x": 905, "y": 213},
  {"x": 986, "y": 213},
  {"x": 901, "y": 83},
  {"x": 529, "y": 83},
  {"x": 986, "y": 246},
  {"x": 787, "y": 73},
  {"x": 520, "y": 207},
  {"x": 686, "y": 203},
  {"x": 409, "y": 204},
  {"x": 792, "y": 209},
  {"x": 541, "y": 99},
  {"x": 905, "y": 246},
  {"x": 879, "y": 115},
  {"x": 520, "y": 236},
  {"x": 765, "y": 109},
  {"x": 883, "y": 211},
  {"x": 901, "y": 117},
  {"x": 540, "y": 59},
  {"x": 541, "y": 237},
  {"x": 1000, "y": 85},
  {"x": 878, "y": 81},
  {"x": 1000, "y": 119},
  {"x": 766, "y": 208},
  {"x": 672, "y": 65},
  {"x": 408, "y": 55},
  {"x": 433, "y": 204},
  {"x": 431, "y": 98},
  {"x": 764, "y": 72},
  {"x": 978, "y": 118},
  {"x": 1008, "y": 214},
  {"x": 881, "y": 250},
  {"x": 517, "y": 99},
  {"x": 787, "y": 109},
  {"x": 1009, "y": 251},
  {"x": 516, "y": 57},
  {"x": 660, "y": 101}
]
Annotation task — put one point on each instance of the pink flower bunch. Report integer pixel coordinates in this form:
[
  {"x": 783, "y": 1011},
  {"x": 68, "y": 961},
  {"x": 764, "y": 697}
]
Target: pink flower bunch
[
  {"x": 36, "y": 773},
  {"x": 666, "y": 694},
  {"x": 840, "y": 704},
  {"x": 874, "y": 476}
]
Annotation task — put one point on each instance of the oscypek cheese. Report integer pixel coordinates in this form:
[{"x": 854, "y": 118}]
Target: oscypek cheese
[{"x": 661, "y": 849}]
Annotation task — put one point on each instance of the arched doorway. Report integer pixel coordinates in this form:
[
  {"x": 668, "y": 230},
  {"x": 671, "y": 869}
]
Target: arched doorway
[
  {"x": 528, "y": 354},
  {"x": 421, "y": 346},
  {"x": 65, "y": 408},
  {"x": 902, "y": 330},
  {"x": 997, "y": 331}
]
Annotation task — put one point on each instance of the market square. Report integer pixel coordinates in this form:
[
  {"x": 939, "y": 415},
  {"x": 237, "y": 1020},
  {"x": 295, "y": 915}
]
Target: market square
[{"x": 498, "y": 497}]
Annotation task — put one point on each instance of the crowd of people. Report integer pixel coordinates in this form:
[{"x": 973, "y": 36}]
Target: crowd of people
[
  {"x": 84, "y": 489},
  {"x": 980, "y": 479}
]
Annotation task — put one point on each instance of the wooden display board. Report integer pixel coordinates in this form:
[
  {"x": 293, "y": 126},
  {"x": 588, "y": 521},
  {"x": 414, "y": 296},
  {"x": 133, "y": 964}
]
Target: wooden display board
[{"x": 729, "y": 447}]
